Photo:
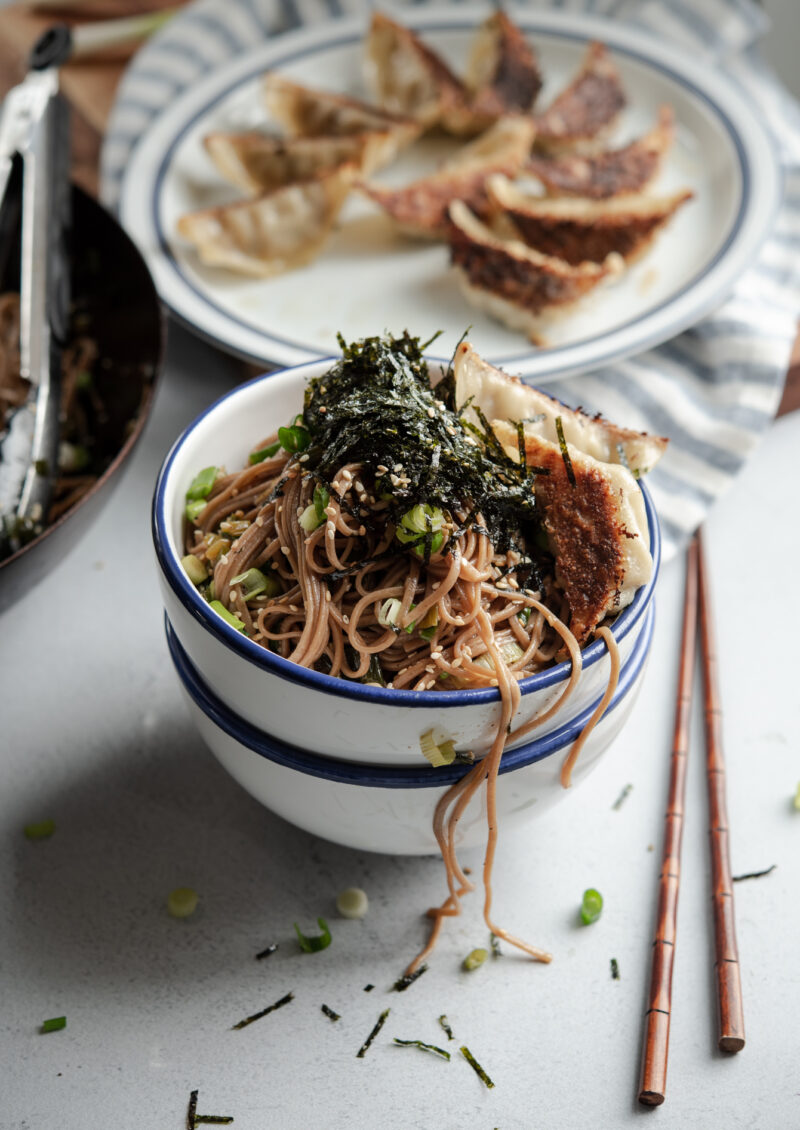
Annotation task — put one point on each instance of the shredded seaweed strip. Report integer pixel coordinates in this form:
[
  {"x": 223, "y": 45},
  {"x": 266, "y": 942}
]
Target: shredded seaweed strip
[
  {"x": 190, "y": 1116},
  {"x": 423, "y": 1046},
  {"x": 446, "y": 1027},
  {"x": 375, "y": 407},
  {"x": 562, "y": 443},
  {"x": 496, "y": 951},
  {"x": 402, "y": 983},
  {"x": 268, "y": 952},
  {"x": 316, "y": 942},
  {"x": 264, "y": 1012},
  {"x": 476, "y": 1067},
  {"x": 623, "y": 796},
  {"x": 362, "y": 1051},
  {"x": 213, "y": 1119},
  {"x": 330, "y": 1013},
  {"x": 614, "y": 969},
  {"x": 368, "y": 988},
  {"x": 754, "y": 874}
]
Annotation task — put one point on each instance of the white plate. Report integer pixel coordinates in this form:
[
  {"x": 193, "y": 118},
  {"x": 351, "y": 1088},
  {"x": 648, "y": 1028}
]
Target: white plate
[{"x": 368, "y": 279}]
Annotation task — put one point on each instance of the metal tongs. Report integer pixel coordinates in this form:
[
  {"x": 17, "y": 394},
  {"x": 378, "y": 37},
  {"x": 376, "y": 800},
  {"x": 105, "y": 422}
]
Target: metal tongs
[{"x": 34, "y": 224}]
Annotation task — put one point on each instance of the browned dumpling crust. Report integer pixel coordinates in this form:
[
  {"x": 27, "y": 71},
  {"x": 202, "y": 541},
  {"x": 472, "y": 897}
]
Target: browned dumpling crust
[
  {"x": 587, "y": 108},
  {"x": 258, "y": 163},
  {"x": 576, "y": 229},
  {"x": 612, "y": 173},
  {"x": 510, "y": 281},
  {"x": 304, "y": 111},
  {"x": 421, "y": 208},
  {"x": 503, "y": 73}
]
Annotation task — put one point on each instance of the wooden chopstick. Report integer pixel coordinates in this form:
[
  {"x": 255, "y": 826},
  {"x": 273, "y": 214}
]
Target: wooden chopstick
[
  {"x": 729, "y": 985},
  {"x": 652, "y": 1085}
]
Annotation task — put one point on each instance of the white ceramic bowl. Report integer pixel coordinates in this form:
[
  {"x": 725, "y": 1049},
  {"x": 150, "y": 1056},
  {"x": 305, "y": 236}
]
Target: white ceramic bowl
[
  {"x": 324, "y": 715},
  {"x": 373, "y": 808}
]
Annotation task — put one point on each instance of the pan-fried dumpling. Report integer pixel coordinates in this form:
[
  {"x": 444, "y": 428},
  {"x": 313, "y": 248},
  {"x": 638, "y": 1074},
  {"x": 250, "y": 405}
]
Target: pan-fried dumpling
[
  {"x": 503, "y": 397},
  {"x": 576, "y": 229},
  {"x": 408, "y": 78},
  {"x": 516, "y": 284},
  {"x": 587, "y": 107},
  {"x": 611, "y": 173},
  {"x": 258, "y": 163},
  {"x": 305, "y": 112},
  {"x": 503, "y": 75},
  {"x": 272, "y": 233},
  {"x": 420, "y": 208}
]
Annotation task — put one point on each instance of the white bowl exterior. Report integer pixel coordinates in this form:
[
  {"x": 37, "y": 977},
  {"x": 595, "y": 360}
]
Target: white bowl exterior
[
  {"x": 398, "y": 821},
  {"x": 330, "y": 724}
]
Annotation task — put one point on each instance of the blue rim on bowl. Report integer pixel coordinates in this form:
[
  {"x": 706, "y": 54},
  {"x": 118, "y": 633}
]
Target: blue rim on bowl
[
  {"x": 199, "y": 610},
  {"x": 350, "y": 773}
]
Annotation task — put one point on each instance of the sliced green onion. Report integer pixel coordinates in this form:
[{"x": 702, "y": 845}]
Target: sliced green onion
[
  {"x": 227, "y": 616},
  {"x": 591, "y": 907},
  {"x": 388, "y": 613},
  {"x": 40, "y": 831},
  {"x": 194, "y": 569},
  {"x": 294, "y": 438},
  {"x": 524, "y": 616},
  {"x": 352, "y": 902},
  {"x": 72, "y": 457},
  {"x": 429, "y": 624},
  {"x": 54, "y": 1025},
  {"x": 310, "y": 520},
  {"x": 418, "y": 520},
  {"x": 474, "y": 960},
  {"x": 438, "y": 755},
  {"x": 264, "y": 453},
  {"x": 322, "y": 499},
  {"x": 195, "y": 509},
  {"x": 423, "y": 1047},
  {"x": 201, "y": 484},
  {"x": 510, "y": 653},
  {"x": 182, "y": 902},
  {"x": 316, "y": 942},
  {"x": 254, "y": 583}
]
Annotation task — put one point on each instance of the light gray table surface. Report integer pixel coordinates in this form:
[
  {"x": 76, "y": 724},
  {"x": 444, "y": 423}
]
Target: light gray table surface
[{"x": 96, "y": 736}]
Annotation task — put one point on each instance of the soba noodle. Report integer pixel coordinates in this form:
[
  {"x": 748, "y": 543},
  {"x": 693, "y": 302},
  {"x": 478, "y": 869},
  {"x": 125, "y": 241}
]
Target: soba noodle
[{"x": 346, "y": 599}]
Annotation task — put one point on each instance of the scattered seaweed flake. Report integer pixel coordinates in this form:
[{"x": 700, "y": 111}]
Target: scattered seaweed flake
[
  {"x": 623, "y": 796},
  {"x": 476, "y": 1067},
  {"x": 496, "y": 951},
  {"x": 443, "y": 1021},
  {"x": 423, "y": 1046},
  {"x": 362, "y": 1051},
  {"x": 268, "y": 952},
  {"x": 368, "y": 988},
  {"x": 264, "y": 1012},
  {"x": 330, "y": 1013},
  {"x": 754, "y": 874},
  {"x": 407, "y": 979},
  {"x": 190, "y": 1116},
  {"x": 614, "y": 969},
  {"x": 562, "y": 443}
]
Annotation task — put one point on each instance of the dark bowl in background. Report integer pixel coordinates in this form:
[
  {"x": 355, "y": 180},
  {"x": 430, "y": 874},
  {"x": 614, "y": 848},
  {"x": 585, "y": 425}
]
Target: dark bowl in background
[{"x": 112, "y": 285}]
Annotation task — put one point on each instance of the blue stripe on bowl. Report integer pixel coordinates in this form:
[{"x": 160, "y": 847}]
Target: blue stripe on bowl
[
  {"x": 528, "y": 22},
  {"x": 350, "y": 773},
  {"x": 199, "y": 610}
]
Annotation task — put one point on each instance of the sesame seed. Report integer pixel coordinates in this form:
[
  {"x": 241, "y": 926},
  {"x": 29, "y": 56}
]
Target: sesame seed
[
  {"x": 328, "y": 594},
  {"x": 323, "y": 408},
  {"x": 304, "y": 458},
  {"x": 259, "y": 521},
  {"x": 285, "y": 550},
  {"x": 431, "y": 412},
  {"x": 331, "y": 533},
  {"x": 394, "y": 480},
  {"x": 398, "y": 467},
  {"x": 346, "y": 618},
  {"x": 362, "y": 530},
  {"x": 347, "y": 475},
  {"x": 381, "y": 469},
  {"x": 457, "y": 662},
  {"x": 359, "y": 486},
  {"x": 436, "y": 655},
  {"x": 435, "y": 585},
  {"x": 293, "y": 608},
  {"x": 493, "y": 683}
]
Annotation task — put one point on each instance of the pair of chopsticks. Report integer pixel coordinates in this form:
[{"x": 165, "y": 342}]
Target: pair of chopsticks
[{"x": 696, "y": 613}]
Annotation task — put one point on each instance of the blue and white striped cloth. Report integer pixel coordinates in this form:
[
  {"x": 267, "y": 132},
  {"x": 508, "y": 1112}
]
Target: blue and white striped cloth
[{"x": 714, "y": 389}]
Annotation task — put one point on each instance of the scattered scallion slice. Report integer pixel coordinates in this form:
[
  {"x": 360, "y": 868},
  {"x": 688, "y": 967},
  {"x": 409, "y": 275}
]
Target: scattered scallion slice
[
  {"x": 316, "y": 942},
  {"x": 254, "y": 583},
  {"x": 352, "y": 902},
  {"x": 474, "y": 960},
  {"x": 55, "y": 1024},
  {"x": 41, "y": 830},
  {"x": 194, "y": 569},
  {"x": 429, "y": 624},
  {"x": 437, "y": 755},
  {"x": 264, "y": 453},
  {"x": 591, "y": 907},
  {"x": 423, "y": 1047},
  {"x": 476, "y": 1067},
  {"x": 72, "y": 457},
  {"x": 322, "y": 498},
  {"x": 417, "y": 523},
  {"x": 201, "y": 484},
  {"x": 388, "y": 613},
  {"x": 227, "y": 616},
  {"x": 510, "y": 652},
  {"x": 310, "y": 520},
  {"x": 182, "y": 902},
  {"x": 195, "y": 509},
  {"x": 524, "y": 616},
  {"x": 294, "y": 438}
]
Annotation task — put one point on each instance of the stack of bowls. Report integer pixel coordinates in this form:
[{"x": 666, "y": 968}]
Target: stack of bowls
[{"x": 340, "y": 759}]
